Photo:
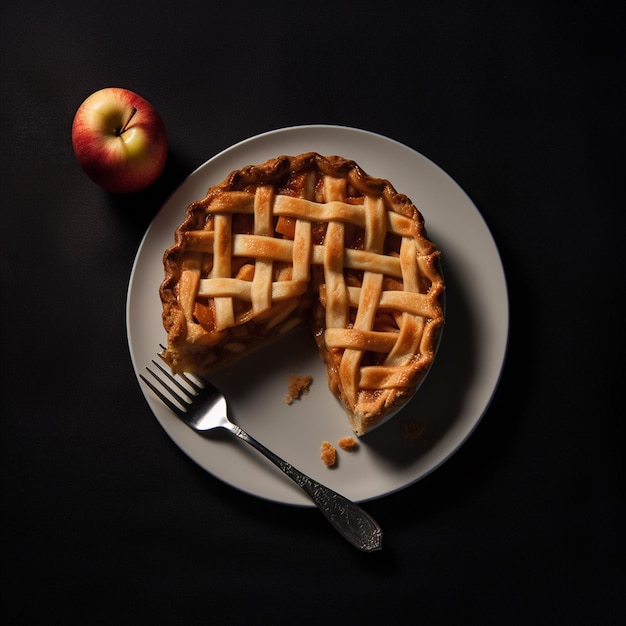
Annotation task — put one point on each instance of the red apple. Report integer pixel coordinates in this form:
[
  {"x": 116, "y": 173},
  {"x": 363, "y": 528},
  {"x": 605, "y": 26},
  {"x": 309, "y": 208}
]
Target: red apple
[{"x": 119, "y": 140}]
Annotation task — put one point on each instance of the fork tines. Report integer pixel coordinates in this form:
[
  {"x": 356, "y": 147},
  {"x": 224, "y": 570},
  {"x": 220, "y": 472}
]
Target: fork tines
[{"x": 184, "y": 398}]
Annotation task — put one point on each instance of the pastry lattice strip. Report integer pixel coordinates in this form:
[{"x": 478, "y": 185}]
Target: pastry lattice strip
[{"x": 355, "y": 337}]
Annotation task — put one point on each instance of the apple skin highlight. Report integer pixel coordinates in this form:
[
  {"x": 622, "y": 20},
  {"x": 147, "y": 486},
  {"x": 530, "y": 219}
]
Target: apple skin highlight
[{"x": 119, "y": 159}]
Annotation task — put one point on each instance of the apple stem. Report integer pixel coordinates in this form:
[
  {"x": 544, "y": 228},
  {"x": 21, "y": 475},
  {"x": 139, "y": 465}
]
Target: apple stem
[{"x": 119, "y": 131}]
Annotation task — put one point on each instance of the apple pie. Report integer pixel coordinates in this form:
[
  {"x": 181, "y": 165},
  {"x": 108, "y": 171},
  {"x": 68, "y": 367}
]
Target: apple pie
[{"x": 308, "y": 239}]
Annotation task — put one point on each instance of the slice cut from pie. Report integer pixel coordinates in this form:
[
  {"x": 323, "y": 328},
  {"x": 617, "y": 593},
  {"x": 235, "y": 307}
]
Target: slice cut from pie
[{"x": 314, "y": 240}]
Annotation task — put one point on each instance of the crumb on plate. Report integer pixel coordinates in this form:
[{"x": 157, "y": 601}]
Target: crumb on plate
[
  {"x": 328, "y": 454},
  {"x": 412, "y": 431},
  {"x": 297, "y": 386},
  {"x": 348, "y": 444}
]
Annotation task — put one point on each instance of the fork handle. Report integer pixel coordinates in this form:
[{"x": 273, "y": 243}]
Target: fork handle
[{"x": 356, "y": 525}]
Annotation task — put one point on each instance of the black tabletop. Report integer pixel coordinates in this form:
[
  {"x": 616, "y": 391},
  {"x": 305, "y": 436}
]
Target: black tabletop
[{"x": 107, "y": 521}]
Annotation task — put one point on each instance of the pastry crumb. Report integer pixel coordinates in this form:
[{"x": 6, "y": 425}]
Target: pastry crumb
[
  {"x": 297, "y": 386},
  {"x": 349, "y": 444},
  {"x": 328, "y": 454},
  {"x": 412, "y": 431}
]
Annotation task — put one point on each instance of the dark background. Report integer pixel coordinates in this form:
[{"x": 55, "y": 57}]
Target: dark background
[{"x": 106, "y": 521}]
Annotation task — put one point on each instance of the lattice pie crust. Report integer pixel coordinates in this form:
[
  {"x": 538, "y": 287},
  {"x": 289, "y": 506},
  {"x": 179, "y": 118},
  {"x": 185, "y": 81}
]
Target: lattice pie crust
[{"x": 308, "y": 239}]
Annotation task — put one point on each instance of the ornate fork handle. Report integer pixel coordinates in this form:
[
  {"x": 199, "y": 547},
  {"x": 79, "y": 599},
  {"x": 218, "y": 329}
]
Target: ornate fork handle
[{"x": 357, "y": 526}]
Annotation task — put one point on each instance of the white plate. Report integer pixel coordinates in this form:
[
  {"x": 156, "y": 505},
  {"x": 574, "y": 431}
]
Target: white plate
[{"x": 448, "y": 405}]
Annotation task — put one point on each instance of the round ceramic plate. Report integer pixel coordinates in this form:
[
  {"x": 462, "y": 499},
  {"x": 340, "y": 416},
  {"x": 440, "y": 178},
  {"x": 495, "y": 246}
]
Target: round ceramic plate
[{"x": 430, "y": 428}]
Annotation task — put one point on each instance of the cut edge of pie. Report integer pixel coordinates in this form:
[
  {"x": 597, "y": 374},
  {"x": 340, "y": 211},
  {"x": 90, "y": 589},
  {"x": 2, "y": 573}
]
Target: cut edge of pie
[{"x": 308, "y": 239}]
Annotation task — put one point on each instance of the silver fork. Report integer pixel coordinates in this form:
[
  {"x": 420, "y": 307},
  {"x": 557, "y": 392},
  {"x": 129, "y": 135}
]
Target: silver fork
[{"x": 203, "y": 408}]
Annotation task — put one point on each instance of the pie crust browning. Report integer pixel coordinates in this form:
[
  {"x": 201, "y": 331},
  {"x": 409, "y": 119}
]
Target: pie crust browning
[{"x": 308, "y": 239}]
